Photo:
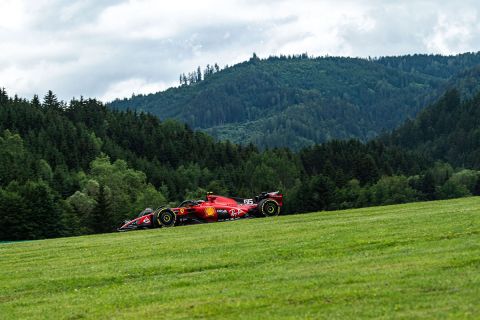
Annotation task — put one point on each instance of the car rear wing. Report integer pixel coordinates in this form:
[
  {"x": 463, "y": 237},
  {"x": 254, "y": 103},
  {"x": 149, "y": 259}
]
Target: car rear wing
[{"x": 274, "y": 195}]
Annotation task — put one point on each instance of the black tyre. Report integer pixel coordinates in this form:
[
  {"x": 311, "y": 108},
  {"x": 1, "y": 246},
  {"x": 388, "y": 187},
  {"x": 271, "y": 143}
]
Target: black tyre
[
  {"x": 164, "y": 218},
  {"x": 268, "y": 208}
]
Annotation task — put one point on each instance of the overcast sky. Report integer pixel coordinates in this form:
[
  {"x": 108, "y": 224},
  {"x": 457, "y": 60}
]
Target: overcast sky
[{"x": 112, "y": 48}]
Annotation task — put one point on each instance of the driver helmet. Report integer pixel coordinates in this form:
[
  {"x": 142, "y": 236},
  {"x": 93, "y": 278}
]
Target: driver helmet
[{"x": 147, "y": 210}]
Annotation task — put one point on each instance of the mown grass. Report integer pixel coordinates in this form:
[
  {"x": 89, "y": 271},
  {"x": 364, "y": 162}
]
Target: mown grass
[{"x": 417, "y": 260}]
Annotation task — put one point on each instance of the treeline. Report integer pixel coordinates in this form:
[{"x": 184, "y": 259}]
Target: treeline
[
  {"x": 434, "y": 65},
  {"x": 79, "y": 168},
  {"x": 297, "y": 101},
  {"x": 196, "y": 75}
]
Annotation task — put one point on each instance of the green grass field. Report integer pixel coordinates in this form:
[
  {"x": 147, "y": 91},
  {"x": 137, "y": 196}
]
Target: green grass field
[{"x": 417, "y": 260}]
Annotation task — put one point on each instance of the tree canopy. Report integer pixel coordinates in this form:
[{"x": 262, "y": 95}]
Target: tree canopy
[{"x": 297, "y": 101}]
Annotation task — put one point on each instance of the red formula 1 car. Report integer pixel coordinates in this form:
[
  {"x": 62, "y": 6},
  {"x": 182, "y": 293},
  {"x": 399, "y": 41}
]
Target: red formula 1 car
[{"x": 214, "y": 208}]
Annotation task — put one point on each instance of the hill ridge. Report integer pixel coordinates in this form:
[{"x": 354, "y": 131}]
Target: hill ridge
[{"x": 299, "y": 101}]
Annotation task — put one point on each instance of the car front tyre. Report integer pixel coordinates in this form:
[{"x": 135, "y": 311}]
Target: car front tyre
[{"x": 164, "y": 218}]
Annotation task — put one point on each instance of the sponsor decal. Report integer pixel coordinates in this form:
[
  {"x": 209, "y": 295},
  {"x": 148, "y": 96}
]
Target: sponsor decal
[
  {"x": 210, "y": 211},
  {"x": 222, "y": 211},
  {"x": 235, "y": 212},
  {"x": 146, "y": 220},
  {"x": 182, "y": 210}
]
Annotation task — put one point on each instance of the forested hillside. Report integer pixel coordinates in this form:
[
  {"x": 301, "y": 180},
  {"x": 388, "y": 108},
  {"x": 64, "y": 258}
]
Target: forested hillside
[
  {"x": 299, "y": 101},
  {"x": 448, "y": 130},
  {"x": 65, "y": 166}
]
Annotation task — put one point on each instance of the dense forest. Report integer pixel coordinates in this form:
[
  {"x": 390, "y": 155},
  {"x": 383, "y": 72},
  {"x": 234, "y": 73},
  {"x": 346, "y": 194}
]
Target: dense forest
[
  {"x": 448, "y": 130},
  {"x": 297, "y": 101},
  {"x": 65, "y": 166}
]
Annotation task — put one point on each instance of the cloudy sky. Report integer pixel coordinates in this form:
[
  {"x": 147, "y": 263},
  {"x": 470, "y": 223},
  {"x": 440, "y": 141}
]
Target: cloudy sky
[{"x": 113, "y": 48}]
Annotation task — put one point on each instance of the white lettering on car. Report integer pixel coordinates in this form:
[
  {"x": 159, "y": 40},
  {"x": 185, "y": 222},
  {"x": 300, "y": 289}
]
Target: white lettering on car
[{"x": 235, "y": 212}]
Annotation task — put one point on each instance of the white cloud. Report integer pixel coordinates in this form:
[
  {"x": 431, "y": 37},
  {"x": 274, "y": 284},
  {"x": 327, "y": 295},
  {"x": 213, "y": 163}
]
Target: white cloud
[
  {"x": 128, "y": 87},
  {"x": 454, "y": 35},
  {"x": 12, "y": 15},
  {"x": 114, "y": 48}
]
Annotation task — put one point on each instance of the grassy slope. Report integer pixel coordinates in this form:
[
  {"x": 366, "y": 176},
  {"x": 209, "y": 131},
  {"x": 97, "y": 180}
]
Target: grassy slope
[{"x": 405, "y": 261}]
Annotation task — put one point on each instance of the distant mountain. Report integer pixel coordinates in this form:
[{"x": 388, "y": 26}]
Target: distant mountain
[{"x": 299, "y": 101}]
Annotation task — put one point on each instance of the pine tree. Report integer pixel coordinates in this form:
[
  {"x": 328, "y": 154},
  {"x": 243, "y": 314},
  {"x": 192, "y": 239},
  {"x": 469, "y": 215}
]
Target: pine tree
[
  {"x": 3, "y": 96},
  {"x": 35, "y": 101},
  {"x": 44, "y": 212},
  {"x": 101, "y": 217},
  {"x": 199, "y": 74},
  {"x": 367, "y": 170},
  {"x": 12, "y": 206},
  {"x": 50, "y": 101}
]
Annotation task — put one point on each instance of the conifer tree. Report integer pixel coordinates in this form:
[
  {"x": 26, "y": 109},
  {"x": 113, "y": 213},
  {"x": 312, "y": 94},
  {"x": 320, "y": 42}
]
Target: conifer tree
[
  {"x": 35, "y": 101},
  {"x": 199, "y": 74},
  {"x": 101, "y": 217},
  {"x": 50, "y": 101},
  {"x": 3, "y": 96}
]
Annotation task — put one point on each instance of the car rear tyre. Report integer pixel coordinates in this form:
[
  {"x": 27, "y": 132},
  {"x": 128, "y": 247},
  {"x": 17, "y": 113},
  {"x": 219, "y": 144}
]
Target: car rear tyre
[
  {"x": 164, "y": 218},
  {"x": 268, "y": 208}
]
